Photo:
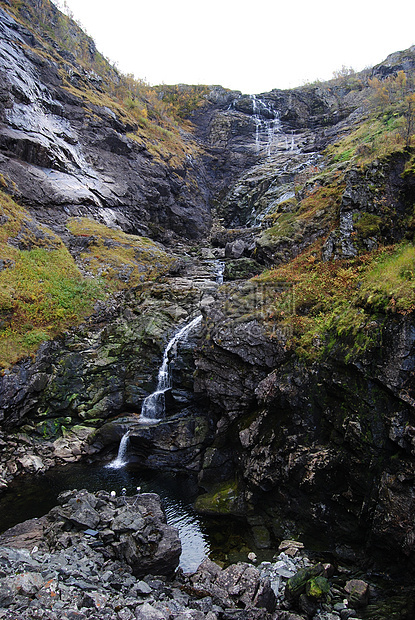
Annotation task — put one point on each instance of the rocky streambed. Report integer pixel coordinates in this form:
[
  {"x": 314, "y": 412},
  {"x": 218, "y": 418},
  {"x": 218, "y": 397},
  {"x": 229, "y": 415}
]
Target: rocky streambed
[{"x": 101, "y": 555}]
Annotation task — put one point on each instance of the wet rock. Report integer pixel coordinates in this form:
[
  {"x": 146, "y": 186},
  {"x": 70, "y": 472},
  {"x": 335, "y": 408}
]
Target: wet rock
[
  {"x": 357, "y": 593},
  {"x": 297, "y": 584},
  {"x": 92, "y": 166}
]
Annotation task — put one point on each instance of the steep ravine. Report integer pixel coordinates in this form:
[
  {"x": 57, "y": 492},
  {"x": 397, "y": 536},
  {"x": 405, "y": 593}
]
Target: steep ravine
[{"x": 294, "y": 404}]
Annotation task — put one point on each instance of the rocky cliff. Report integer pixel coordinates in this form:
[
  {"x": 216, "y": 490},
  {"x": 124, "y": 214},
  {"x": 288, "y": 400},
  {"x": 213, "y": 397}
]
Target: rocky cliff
[
  {"x": 70, "y": 147},
  {"x": 301, "y": 410}
]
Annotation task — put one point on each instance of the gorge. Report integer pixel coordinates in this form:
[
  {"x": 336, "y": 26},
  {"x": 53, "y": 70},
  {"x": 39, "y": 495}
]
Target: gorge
[{"x": 281, "y": 225}]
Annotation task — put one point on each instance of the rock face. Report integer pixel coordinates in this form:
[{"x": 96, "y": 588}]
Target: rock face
[
  {"x": 66, "y": 155},
  {"x": 330, "y": 446},
  {"x": 256, "y": 145},
  {"x": 373, "y": 209}
]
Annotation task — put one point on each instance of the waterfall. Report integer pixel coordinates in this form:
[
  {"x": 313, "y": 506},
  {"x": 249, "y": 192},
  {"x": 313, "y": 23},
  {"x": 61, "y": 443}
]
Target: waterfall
[
  {"x": 292, "y": 143},
  {"x": 267, "y": 125},
  {"x": 153, "y": 407},
  {"x": 121, "y": 460},
  {"x": 220, "y": 269}
]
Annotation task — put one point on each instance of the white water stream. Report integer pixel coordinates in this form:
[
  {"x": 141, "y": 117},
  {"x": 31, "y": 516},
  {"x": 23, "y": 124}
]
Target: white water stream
[
  {"x": 194, "y": 541},
  {"x": 268, "y": 128},
  {"x": 153, "y": 407},
  {"x": 219, "y": 271},
  {"x": 121, "y": 458}
]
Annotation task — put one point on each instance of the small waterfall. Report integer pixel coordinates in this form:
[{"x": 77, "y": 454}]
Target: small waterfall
[
  {"x": 219, "y": 271},
  {"x": 153, "y": 407},
  {"x": 292, "y": 143},
  {"x": 267, "y": 125},
  {"x": 121, "y": 459}
]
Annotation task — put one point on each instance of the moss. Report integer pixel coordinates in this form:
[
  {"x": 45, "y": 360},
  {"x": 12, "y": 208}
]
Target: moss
[
  {"x": 367, "y": 224},
  {"x": 42, "y": 291},
  {"x": 297, "y": 584},
  {"x": 241, "y": 268},
  {"x": 317, "y": 587},
  {"x": 284, "y": 226},
  {"x": 222, "y": 500},
  {"x": 122, "y": 260},
  {"x": 409, "y": 170}
]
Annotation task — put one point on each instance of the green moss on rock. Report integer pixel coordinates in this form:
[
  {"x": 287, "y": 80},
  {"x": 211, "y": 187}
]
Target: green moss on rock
[
  {"x": 242, "y": 268},
  {"x": 298, "y": 584},
  {"x": 317, "y": 587},
  {"x": 222, "y": 499},
  {"x": 367, "y": 225}
]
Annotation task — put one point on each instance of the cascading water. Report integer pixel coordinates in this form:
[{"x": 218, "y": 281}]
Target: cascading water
[
  {"x": 219, "y": 271},
  {"x": 153, "y": 407},
  {"x": 267, "y": 126},
  {"x": 121, "y": 460}
]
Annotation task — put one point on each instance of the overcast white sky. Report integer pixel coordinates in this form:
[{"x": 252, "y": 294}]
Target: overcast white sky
[{"x": 248, "y": 45}]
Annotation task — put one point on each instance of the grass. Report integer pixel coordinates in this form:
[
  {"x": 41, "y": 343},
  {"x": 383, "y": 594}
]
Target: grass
[
  {"x": 341, "y": 303},
  {"x": 122, "y": 260},
  {"x": 373, "y": 139},
  {"x": 42, "y": 290},
  {"x": 390, "y": 285}
]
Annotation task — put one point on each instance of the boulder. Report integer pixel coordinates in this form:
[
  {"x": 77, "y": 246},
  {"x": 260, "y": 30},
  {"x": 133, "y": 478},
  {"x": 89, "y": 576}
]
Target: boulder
[
  {"x": 132, "y": 529},
  {"x": 235, "y": 249},
  {"x": 31, "y": 463},
  {"x": 238, "y": 586},
  {"x": 357, "y": 593},
  {"x": 24, "y": 535},
  {"x": 300, "y": 582}
]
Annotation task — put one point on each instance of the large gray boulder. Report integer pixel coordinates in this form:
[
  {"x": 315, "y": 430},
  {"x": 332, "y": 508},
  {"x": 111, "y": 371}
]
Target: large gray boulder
[{"x": 130, "y": 529}]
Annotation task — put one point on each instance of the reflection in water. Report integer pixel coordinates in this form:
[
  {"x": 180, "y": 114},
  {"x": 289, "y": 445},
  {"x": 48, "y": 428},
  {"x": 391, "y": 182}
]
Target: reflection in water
[{"x": 28, "y": 499}]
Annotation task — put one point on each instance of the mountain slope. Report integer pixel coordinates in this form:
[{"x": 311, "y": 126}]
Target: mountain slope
[
  {"x": 78, "y": 139},
  {"x": 303, "y": 410}
]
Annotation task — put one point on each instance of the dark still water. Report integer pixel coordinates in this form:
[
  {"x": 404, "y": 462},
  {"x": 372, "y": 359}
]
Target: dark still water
[{"x": 33, "y": 498}]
